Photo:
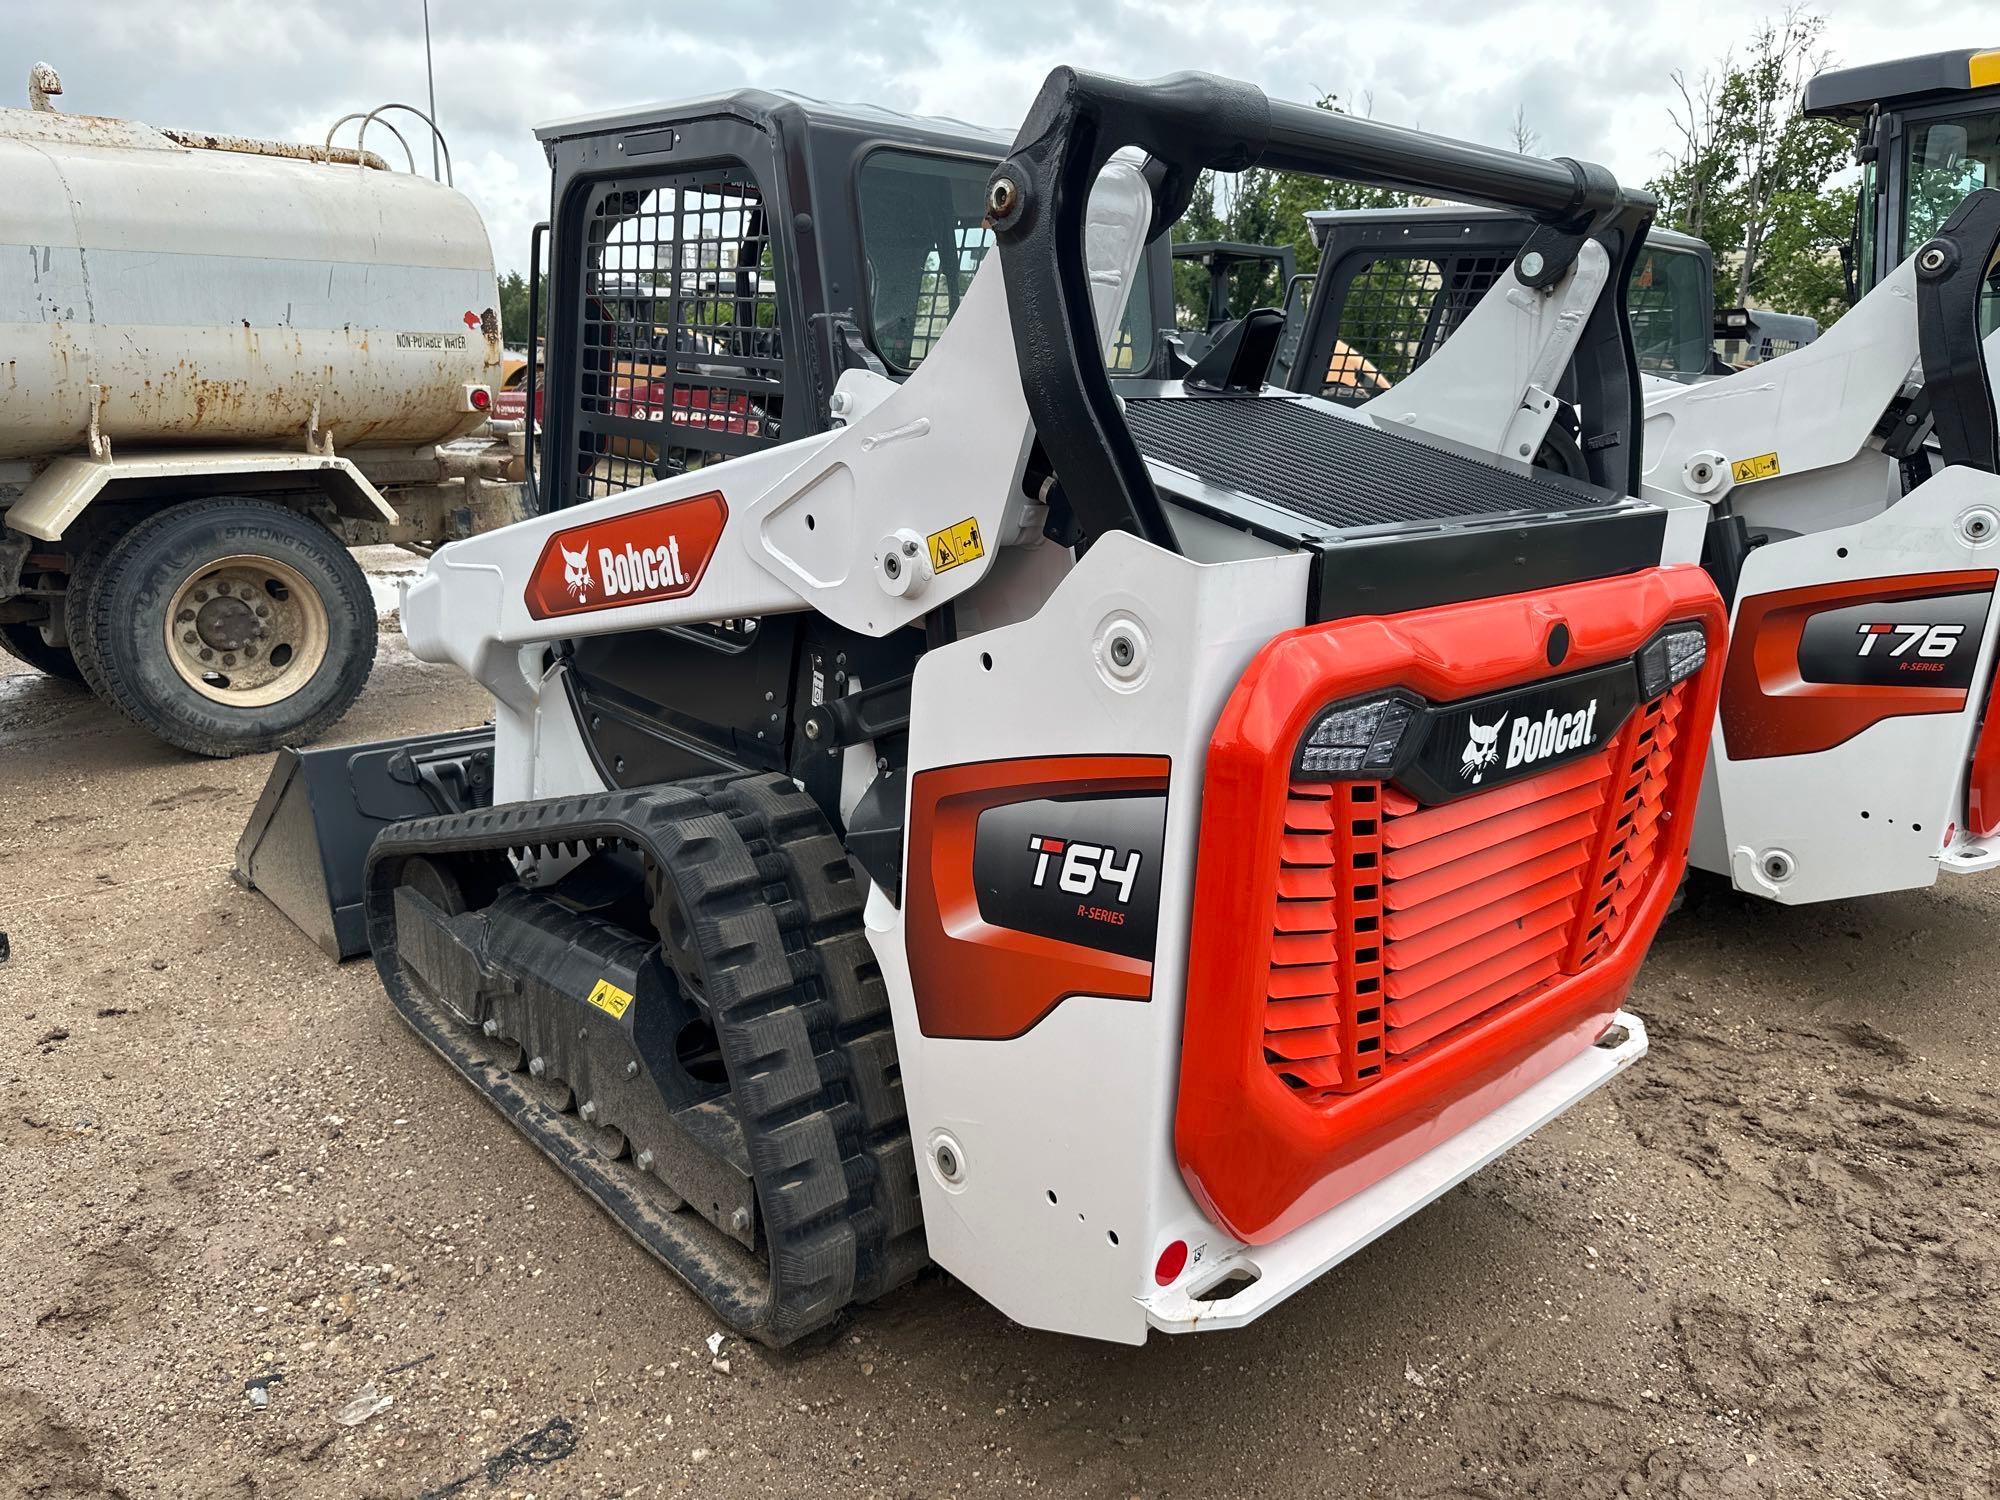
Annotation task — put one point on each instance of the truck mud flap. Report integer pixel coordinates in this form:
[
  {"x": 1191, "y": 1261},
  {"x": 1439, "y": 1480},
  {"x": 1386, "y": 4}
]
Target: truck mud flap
[{"x": 307, "y": 840}]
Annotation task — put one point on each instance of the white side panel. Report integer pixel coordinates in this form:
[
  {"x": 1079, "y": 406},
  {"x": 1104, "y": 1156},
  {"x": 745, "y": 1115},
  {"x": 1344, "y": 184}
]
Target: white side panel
[
  {"x": 1080, "y": 1107},
  {"x": 1491, "y": 383},
  {"x": 948, "y": 447},
  {"x": 1907, "y": 775}
]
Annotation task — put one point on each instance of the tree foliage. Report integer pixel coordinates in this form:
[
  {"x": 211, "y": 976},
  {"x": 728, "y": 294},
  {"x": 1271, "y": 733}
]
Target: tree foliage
[
  {"x": 1263, "y": 208},
  {"x": 514, "y": 308},
  {"x": 1749, "y": 173}
]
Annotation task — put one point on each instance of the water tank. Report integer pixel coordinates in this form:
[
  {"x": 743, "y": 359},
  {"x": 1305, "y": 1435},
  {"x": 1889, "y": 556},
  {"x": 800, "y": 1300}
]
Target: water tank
[{"x": 219, "y": 294}]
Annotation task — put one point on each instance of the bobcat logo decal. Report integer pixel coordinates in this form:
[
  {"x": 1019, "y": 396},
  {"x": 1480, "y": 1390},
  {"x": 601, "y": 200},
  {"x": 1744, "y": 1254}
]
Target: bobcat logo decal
[
  {"x": 1482, "y": 748},
  {"x": 618, "y": 559},
  {"x": 576, "y": 572}
]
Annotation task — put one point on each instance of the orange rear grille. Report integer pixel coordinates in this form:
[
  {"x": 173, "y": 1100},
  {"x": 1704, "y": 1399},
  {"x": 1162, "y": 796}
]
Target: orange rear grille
[
  {"x": 1322, "y": 1012},
  {"x": 1632, "y": 838},
  {"x": 1394, "y": 923}
]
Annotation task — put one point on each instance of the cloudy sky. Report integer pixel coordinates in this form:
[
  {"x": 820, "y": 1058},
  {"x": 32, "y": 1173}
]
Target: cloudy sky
[{"x": 1592, "y": 75}]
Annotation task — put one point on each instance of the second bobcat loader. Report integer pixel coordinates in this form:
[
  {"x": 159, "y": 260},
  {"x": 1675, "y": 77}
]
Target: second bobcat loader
[
  {"x": 1845, "y": 495},
  {"x": 1132, "y": 847}
]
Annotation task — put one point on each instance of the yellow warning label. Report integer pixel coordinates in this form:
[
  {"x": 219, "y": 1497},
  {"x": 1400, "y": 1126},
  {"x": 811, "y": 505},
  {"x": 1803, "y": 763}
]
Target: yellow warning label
[
  {"x": 608, "y": 998},
  {"x": 956, "y": 544},
  {"x": 1763, "y": 466}
]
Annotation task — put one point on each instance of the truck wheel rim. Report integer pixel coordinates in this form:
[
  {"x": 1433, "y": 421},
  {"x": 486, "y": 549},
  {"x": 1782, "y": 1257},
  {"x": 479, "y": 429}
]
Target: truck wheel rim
[{"x": 246, "y": 631}]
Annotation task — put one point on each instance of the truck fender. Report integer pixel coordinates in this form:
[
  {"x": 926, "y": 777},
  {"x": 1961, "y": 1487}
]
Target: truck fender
[{"x": 53, "y": 499}]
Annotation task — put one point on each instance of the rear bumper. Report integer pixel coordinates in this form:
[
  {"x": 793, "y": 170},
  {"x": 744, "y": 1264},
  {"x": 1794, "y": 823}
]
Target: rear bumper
[
  {"x": 1970, "y": 856},
  {"x": 1284, "y": 1266}
]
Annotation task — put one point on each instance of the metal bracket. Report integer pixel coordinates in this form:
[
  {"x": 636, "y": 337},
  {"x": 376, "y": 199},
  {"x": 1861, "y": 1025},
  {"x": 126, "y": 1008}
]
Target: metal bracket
[
  {"x": 100, "y": 444},
  {"x": 870, "y": 713},
  {"x": 1530, "y": 424},
  {"x": 319, "y": 442}
]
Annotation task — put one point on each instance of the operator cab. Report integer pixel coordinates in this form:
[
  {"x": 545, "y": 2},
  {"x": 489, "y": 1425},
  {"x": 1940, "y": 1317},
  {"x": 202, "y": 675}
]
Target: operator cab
[
  {"x": 1227, "y": 278},
  {"x": 717, "y": 263},
  {"x": 1929, "y": 135}
]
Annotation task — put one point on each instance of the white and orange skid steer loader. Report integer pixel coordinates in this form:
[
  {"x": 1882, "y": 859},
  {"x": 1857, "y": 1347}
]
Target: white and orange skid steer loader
[
  {"x": 1845, "y": 496},
  {"x": 1130, "y": 846}
]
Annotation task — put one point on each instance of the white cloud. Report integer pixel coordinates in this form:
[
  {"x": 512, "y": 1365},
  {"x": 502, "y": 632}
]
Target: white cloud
[{"x": 1592, "y": 74}]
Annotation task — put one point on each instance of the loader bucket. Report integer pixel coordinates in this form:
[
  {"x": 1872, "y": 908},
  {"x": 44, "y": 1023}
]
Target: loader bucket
[{"x": 309, "y": 835}]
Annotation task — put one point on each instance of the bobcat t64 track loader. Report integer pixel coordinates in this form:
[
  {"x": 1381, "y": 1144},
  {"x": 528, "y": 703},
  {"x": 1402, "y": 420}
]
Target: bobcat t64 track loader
[{"x": 1151, "y": 841}]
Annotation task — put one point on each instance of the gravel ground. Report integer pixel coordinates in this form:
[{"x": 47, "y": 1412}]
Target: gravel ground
[{"x": 238, "y": 1201}]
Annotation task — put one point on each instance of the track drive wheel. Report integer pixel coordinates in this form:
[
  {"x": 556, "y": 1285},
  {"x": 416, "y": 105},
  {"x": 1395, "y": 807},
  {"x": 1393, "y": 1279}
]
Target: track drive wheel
[{"x": 227, "y": 627}]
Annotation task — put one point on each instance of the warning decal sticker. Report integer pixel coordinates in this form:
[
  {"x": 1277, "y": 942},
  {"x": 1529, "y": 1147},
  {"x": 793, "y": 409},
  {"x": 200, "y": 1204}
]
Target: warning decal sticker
[
  {"x": 1747, "y": 470},
  {"x": 608, "y": 998},
  {"x": 956, "y": 544}
]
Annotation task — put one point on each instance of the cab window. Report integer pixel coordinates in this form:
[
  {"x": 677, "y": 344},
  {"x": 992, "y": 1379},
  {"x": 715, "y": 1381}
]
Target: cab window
[
  {"x": 923, "y": 237},
  {"x": 1949, "y": 160},
  {"x": 1669, "y": 304}
]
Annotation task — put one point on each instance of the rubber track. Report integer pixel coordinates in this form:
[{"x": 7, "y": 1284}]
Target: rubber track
[
  {"x": 800, "y": 1015},
  {"x": 810, "y": 888}
]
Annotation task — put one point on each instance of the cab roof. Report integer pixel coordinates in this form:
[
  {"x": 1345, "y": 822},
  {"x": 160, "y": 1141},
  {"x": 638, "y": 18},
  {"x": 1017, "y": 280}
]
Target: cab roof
[
  {"x": 1935, "y": 75},
  {"x": 782, "y": 110},
  {"x": 1324, "y": 220}
]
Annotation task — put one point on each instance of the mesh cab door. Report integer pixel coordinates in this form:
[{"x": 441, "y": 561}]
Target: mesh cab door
[
  {"x": 677, "y": 325},
  {"x": 1388, "y": 312}
]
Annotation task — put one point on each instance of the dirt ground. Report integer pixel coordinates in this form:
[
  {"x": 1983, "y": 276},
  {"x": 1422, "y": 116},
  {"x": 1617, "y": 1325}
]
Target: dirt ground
[{"x": 235, "y": 1193}]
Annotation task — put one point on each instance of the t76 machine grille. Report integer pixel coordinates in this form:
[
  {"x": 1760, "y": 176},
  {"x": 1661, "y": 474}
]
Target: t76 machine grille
[{"x": 1394, "y": 923}]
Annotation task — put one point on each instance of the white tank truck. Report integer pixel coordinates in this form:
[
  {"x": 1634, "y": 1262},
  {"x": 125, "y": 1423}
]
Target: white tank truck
[{"x": 223, "y": 362}]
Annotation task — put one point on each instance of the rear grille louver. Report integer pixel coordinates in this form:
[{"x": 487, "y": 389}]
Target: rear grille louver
[
  {"x": 1395, "y": 923},
  {"x": 1632, "y": 844}
]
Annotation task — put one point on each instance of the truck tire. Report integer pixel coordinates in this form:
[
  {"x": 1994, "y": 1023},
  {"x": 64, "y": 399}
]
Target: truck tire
[
  {"x": 227, "y": 627},
  {"x": 86, "y": 566},
  {"x": 22, "y": 640}
]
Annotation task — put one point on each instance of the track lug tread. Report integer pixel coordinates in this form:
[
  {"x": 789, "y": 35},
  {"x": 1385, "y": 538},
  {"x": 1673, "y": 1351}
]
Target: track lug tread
[{"x": 801, "y": 1016}]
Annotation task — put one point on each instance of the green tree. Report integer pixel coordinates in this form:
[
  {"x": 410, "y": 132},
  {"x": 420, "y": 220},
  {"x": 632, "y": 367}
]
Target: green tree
[
  {"x": 1260, "y": 207},
  {"x": 514, "y": 308},
  {"x": 1754, "y": 177}
]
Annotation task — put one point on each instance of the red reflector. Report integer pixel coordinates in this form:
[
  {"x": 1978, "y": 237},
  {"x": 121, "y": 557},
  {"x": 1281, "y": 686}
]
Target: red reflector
[
  {"x": 1173, "y": 1261},
  {"x": 482, "y": 399}
]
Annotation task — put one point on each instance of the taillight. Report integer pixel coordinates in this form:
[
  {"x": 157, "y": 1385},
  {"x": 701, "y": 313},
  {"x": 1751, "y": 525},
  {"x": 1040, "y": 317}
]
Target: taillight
[
  {"x": 1356, "y": 738},
  {"x": 1670, "y": 658}
]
